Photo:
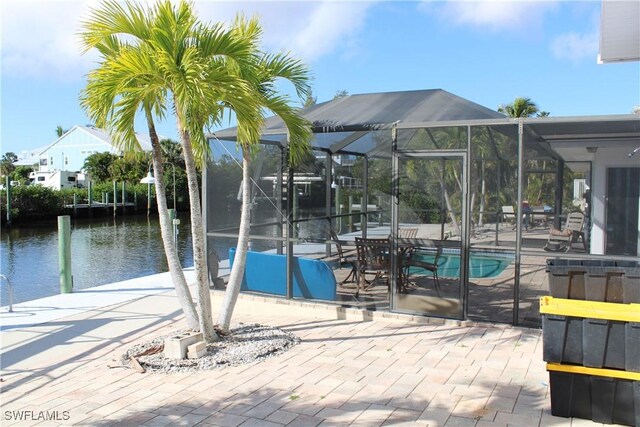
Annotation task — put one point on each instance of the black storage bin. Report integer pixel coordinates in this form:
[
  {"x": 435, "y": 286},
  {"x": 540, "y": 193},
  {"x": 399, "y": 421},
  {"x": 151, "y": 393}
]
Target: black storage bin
[
  {"x": 632, "y": 347},
  {"x": 562, "y": 339},
  {"x": 615, "y": 401},
  {"x": 566, "y": 278},
  {"x": 597, "y": 398},
  {"x": 603, "y": 281},
  {"x": 603, "y": 343},
  {"x": 630, "y": 281},
  {"x": 570, "y": 395}
]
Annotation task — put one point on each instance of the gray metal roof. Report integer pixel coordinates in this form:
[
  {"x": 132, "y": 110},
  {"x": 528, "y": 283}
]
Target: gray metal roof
[
  {"x": 374, "y": 110},
  {"x": 349, "y": 118},
  {"x": 357, "y": 123}
]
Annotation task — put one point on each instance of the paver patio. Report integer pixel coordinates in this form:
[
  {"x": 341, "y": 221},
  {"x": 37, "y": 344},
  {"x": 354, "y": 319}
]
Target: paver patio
[{"x": 384, "y": 370}]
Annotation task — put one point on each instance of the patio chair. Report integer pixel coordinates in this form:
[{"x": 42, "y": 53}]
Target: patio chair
[
  {"x": 414, "y": 261},
  {"x": 538, "y": 215},
  {"x": 561, "y": 240},
  {"x": 407, "y": 233},
  {"x": 345, "y": 258},
  {"x": 373, "y": 258}
]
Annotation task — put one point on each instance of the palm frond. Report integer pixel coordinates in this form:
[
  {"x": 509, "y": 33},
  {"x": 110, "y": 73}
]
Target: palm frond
[
  {"x": 299, "y": 129},
  {"x": 115, "y": 19},
  {"x": 283, "y": 66}
]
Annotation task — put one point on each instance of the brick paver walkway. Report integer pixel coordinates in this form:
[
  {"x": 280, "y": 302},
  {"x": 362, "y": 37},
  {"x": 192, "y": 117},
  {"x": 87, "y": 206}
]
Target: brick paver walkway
[{"x": 345, "y": 372}]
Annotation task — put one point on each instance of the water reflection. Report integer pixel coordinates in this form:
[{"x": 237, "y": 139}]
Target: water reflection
[{"x": 103, "y": 250}]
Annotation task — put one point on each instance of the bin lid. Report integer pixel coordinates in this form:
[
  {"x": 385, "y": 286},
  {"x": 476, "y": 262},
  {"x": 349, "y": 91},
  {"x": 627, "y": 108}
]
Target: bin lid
[{"x": 590, "y": 309}]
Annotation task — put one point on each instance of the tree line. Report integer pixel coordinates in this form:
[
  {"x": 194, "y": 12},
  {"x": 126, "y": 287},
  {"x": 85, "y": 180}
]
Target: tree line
[{"x": 35, "y": 202}]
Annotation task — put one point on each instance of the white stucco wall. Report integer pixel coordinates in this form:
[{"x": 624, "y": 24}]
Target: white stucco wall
[{"x": 605, "y": 158}]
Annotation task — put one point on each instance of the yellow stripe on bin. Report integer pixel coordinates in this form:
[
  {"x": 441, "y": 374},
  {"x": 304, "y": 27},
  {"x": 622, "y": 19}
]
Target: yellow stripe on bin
[
  {"x": 598, "y": 372},
  {"x": 590, "y": 309}
]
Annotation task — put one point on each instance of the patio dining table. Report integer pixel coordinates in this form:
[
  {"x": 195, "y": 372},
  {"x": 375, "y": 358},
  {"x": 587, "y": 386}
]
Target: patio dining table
[{"x": 374, "y": 257}]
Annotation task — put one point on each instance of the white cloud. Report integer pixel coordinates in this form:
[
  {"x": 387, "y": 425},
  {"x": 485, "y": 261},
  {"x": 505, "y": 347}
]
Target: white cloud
[
  {"x": 495, "y": 15},
  {"x": 39, "y": 37},
  {"x": 575, "y": 47},
  {"x": 308, "y": 29}
]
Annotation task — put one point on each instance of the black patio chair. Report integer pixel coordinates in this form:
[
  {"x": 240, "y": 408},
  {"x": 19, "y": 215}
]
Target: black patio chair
[
  {"x": 373, "y": 258},
  {"x": 345, "y": 258},
  {"x": 414, "y": 261}
]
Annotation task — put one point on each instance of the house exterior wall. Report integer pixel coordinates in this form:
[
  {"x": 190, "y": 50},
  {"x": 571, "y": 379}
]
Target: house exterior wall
[
  {"x": 71, "y": 150},
  {"x": 605, "y": 158}
]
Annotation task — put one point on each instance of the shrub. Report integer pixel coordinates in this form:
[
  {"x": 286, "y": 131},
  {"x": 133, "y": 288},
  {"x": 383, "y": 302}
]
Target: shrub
[{"x": 33, "y": 201}]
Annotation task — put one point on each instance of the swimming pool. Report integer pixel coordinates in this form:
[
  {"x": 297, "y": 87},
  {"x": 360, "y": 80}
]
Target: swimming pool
[{"x": 482, "y": 266}]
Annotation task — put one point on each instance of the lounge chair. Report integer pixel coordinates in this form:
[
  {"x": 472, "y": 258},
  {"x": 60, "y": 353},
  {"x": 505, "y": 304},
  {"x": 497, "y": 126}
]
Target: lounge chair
[
  {"x": 509, "y": 215},
  {"x": 561, "y": 240},
  {"x": 408, "y": 232}
]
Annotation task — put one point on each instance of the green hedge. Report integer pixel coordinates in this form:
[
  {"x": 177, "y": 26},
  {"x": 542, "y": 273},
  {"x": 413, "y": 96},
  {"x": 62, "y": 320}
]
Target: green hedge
[{"x": 35, "y": 202}]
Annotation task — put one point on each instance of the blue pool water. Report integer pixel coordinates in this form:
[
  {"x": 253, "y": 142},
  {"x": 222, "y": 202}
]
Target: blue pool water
[{"x": 482, "y": 265}]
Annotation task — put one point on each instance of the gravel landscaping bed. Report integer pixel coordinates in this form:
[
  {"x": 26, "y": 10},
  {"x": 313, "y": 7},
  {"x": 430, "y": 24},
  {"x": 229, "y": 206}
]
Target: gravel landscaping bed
[{"x": 245, "y": 344}]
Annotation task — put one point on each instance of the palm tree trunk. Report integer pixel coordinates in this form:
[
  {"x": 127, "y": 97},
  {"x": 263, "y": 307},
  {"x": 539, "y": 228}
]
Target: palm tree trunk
[
  {"x": 240, "y": 260},
  {"x": 170, "y": 250},
  {"x": 473, "y": 203},
  {"x": 197, "y": 235},
  {"x": 483, "y": 190},
  {"x": 452, "y": 214}
]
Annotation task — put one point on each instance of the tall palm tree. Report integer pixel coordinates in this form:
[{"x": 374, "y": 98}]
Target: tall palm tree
[
  {"x": 193, "y": 67},
  {"x": 201, "y": 66},
  {"x": 262, "y": 74},
  {"x": 521, "y": 107},
  {"x": 124, "y": 82}
]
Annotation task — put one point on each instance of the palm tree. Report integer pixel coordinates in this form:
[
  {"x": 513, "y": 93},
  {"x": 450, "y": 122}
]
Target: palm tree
[
  {"x": 525, "y": 107},
  {"x": 195, "y": 67},
  {"x": 60, "y": 131},
  {"x": 310, "y": 100},
  {"x": 341, "y": 94},
  {"x": 262, "y": 74},
  {"x": 521, "y": 107},
  {"x": 200, "y": 66},
  {"x": 126, "y": 81}
]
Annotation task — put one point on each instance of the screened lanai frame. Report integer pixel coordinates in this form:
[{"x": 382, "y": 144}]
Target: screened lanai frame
[{"x": 348, "y": 140}]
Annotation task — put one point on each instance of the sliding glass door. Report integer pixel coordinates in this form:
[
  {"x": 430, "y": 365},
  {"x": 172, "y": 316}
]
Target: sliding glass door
[{"x": 623, "y": 198}]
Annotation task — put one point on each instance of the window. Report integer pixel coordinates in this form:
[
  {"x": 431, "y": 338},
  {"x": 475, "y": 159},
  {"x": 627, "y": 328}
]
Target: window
[
  {"x": 51, "y": 160},
  {"x": 71, "y": 179},
  {"x": 43, "y": 162},
  {"x": 40, "y": 178},
  {"x": 66, "y": 160}
]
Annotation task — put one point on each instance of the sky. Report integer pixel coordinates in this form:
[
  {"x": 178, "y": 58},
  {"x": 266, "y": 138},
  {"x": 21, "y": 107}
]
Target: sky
[{"x": 489, "y": 52}]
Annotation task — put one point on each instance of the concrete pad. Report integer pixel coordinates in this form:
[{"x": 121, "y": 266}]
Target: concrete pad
[
  {"x": 64, "y": 305},
  {"x": 336, "y": 375}
]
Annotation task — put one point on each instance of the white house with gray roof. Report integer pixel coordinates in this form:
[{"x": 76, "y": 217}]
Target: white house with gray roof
[{"x": 69, "y": 152}]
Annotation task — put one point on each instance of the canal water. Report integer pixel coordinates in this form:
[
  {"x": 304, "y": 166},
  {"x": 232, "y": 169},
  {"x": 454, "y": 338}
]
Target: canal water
[{"x": 103, "y": 250}]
